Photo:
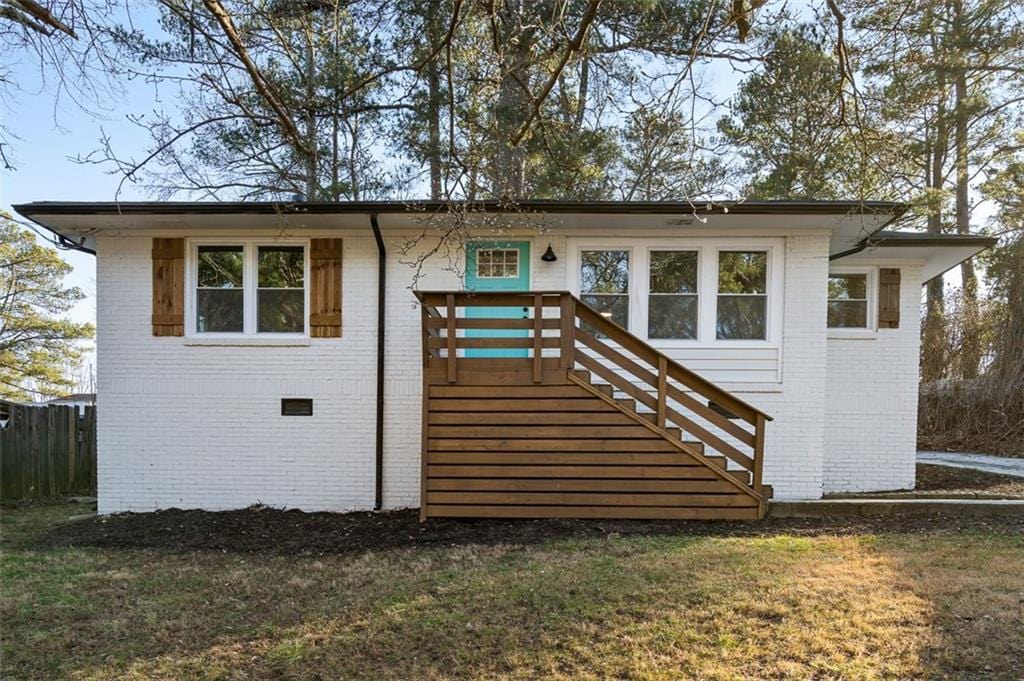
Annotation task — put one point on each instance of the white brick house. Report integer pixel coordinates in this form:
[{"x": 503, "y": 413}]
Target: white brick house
[{"x": 191, "y": 410}]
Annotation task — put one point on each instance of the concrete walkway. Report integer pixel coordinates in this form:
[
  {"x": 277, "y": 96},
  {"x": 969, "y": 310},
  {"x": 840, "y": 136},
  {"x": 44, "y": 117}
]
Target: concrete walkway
[{"x": 1002, "y": 465}]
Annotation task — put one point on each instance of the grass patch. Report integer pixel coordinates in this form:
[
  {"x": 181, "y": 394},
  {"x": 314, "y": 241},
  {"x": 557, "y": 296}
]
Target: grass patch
[{"x": 586, "y": 600}]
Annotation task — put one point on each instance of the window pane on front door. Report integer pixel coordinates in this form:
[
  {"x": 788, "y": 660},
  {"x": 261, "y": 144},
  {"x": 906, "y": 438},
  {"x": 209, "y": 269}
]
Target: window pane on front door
[{"x": 497, "y": 263}]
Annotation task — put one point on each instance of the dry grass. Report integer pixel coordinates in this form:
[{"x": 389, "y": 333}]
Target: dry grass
[{"x": 859, "y": 605}]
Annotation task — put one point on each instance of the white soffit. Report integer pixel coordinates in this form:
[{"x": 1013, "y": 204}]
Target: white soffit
[
  {"x": 935, "y": 260},
  {"x": 846, "y": 230}
]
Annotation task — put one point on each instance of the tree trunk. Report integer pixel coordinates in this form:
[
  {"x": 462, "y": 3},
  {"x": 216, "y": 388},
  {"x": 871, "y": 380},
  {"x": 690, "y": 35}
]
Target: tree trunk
[
  {"x": 970, "y": 349},
  {"x": 933, "y": 332},
  {"x": 434, "y": 102},
  {"x": 311, "y": 136},
  {"x": 512, "y": 108}
]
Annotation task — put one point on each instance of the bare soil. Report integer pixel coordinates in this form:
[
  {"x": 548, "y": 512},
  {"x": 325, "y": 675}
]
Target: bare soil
[
  {"x": 266, "y": 530},
  {"x": 934, "y": 478}
]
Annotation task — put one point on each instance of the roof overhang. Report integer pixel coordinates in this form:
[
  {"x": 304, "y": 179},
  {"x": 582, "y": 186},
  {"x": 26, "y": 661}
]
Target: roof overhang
[
  {"x": 938, "y": 253},
  {"x": 847, "y": 222}
]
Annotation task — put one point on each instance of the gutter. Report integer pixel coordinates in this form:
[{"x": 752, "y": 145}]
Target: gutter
[
  {"x": 378, "y": 502},
  {"x": 924, "y": 240},
  {"x": 62, "y": 241},
  {"x": 425, "y": 206}
]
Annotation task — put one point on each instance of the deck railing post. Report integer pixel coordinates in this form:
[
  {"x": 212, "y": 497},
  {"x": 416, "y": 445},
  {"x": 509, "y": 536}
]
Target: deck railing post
[
  {"x": 426, "y": 336},
  {"x": 449, "y": 300},
  {"x": 567, "y": 330},
  {"x": 538, "y": 337},
  {"x": 662, "y": 389},
  {"x": 759, "y": 428}
]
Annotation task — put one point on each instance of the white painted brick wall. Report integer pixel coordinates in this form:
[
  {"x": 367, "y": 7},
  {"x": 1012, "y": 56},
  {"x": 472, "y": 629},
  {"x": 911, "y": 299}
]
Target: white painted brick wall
[
  {"x": 199, "y": 427},
  {"x": 871, "y": 426},
  {"x": 794, "y": 446}
]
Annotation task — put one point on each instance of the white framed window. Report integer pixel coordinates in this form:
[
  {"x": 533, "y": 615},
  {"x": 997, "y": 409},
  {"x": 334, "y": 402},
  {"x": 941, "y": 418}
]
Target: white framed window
[
  {"x": 497, "y": 263},
  {"x": 647, "y": 285},
  {"x": 673, "y": 294},
  {"x": 742, "y": 309},
  {"x": 243, "y": 288},
  {"x": 220, "y": 289},
  {"x": 604, "y": 282},
  {"x": 852, "y": 306}
]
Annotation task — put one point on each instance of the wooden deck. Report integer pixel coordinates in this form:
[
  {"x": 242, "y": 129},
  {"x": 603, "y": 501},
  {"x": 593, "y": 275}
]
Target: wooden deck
[{"x": 538, "y": 437}]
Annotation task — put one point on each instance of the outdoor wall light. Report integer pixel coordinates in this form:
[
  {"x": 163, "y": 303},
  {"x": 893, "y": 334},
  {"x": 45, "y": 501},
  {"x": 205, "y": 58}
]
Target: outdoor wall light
[{"x": 549, "y": 255}]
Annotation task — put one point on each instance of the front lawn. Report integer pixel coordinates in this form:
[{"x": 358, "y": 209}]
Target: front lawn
[{"x": 267, "y": 594}]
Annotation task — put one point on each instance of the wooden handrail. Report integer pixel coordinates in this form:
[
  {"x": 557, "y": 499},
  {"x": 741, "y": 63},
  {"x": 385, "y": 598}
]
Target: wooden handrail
[{"x": 677, "y": 371}]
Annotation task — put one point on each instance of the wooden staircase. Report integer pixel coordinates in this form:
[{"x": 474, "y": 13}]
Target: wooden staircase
[{"x": 591, "y": 423}]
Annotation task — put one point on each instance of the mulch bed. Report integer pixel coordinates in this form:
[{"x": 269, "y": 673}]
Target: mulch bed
[
  {"x": 935, "y": 478},
  {"x": 264, "y": 530}
]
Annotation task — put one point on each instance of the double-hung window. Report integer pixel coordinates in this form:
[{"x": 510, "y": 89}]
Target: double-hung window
[
  {"x": 672, "y": 305},
  {"x": 220, "y": 289},
  {"x": 742, "y": 295},
  {"x": 280, "y": 293},
  {"x": 249, "y": 288},
  {"x": 848, "y": 301},
  {"x": 604, "y": 283}
]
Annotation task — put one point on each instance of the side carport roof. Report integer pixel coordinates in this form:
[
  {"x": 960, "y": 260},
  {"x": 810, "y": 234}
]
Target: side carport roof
[{"x": 939, "y": 252}]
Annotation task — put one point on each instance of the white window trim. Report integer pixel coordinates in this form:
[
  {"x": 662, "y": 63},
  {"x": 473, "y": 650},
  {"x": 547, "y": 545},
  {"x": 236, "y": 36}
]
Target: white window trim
[
  {"x": 707, "y": 286},
  {"x": 869, "y": 332},
  {"x": 250, "y": 272},
  {"x": 768, "y": 295},
  {"x": 670, "y": 342},
  {"x": 631, "y": 287}
]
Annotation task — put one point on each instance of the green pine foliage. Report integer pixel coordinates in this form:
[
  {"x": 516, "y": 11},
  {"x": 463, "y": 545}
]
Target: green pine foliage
[{"x": 37, "y": 340}]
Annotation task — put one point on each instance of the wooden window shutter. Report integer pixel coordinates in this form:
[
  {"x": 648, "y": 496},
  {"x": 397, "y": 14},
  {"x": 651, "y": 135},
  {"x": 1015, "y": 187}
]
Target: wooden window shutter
[
  {"x": 889, "y": 298},
  {"x": 325, "y": 288},
  {"x": 168, "y": 287}
]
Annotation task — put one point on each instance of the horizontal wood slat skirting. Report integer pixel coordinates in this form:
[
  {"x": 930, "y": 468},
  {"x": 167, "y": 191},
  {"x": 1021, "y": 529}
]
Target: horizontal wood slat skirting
[
  {"x": 549, "y": 451},
  {"x": 590, "y": 423}
]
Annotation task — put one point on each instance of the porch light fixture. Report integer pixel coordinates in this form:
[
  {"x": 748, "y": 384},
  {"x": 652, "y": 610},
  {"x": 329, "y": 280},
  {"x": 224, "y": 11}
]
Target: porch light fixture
[{"x": 549, "y": 255}]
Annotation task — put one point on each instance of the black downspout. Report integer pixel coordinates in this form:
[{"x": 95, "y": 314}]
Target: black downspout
[{"x": 382, "y": 263}]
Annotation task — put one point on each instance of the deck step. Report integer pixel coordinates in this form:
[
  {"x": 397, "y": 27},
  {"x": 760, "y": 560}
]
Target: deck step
[
  {"x": 607, "y": 389},
  {"x": 582, "y": 374},
  {"x": 627, "y": 403}
]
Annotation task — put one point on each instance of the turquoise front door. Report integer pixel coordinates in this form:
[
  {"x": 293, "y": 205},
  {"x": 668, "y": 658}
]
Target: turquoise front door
[{"x": 497, "y": 266}]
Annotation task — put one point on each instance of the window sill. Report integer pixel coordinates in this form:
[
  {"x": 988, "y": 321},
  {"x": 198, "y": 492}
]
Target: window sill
[
  {"x": 852, "y": 334},
  {"x": 247, "y": 341}
]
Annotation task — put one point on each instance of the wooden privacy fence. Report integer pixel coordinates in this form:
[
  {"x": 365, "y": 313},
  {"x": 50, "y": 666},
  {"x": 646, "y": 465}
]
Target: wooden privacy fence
[{"x": 48, "y": 451}]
